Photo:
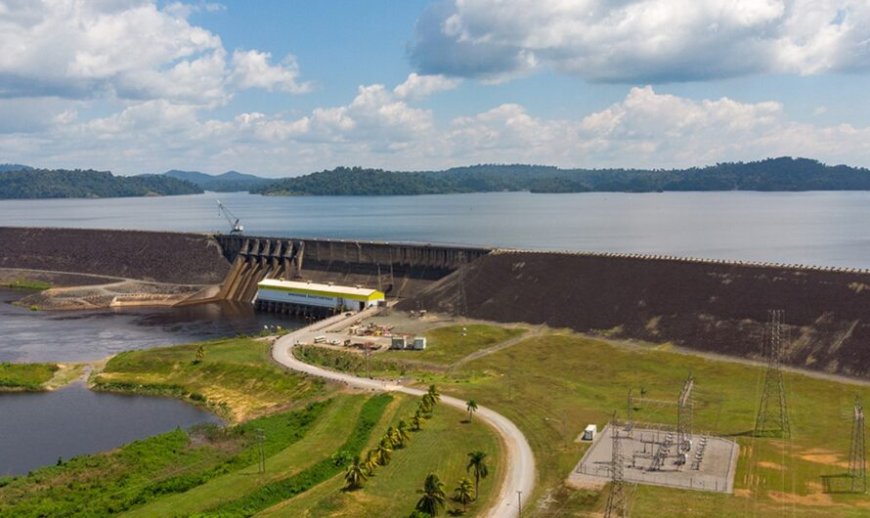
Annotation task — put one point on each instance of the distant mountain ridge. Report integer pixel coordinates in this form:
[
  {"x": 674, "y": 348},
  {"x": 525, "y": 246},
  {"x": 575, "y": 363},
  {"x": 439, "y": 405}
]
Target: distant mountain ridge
[
  {"x": 60, "y": 183},
  {"x": 772, "y": 174},
  {"x": 231, "y": 181}
]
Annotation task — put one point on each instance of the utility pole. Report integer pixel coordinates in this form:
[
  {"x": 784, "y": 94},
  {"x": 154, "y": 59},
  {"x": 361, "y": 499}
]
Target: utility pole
[
  {"x": 857, "y": 453},
  {"x": 772, "y": 419},
  {"x": 519, "y": 504},
  {"x": 461, "y": 307},
  {"x": 261, "y": 450},
  {"x": 617, "y": 500}
]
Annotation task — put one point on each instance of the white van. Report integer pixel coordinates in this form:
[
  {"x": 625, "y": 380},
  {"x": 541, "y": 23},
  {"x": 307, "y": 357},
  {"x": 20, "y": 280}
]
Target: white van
[{"x": 319, "y": 339}]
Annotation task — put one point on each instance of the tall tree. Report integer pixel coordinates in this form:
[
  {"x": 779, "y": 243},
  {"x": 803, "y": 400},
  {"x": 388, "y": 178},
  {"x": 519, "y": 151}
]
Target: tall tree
[
  {"x": 432, "y": 495},
  {"x": 355, "y": 475},
  {"x": 384, "y": 452},
  {"x": 471, "y": 407},
  {"x": 464, "y": 493},
  {"x": 477, "y": 465},
  {"x": 402, "y": 429}
]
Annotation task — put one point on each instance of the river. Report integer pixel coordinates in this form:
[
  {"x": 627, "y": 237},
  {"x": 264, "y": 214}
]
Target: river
[{"x": 821, "y": 228}]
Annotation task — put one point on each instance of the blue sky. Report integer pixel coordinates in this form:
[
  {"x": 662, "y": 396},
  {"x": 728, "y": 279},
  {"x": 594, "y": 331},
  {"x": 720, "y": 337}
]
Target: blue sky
[{"x": 288, "y": 87}]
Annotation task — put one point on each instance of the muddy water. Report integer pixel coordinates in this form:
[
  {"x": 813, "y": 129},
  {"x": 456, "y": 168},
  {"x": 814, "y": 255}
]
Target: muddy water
[{"x": 42, "y": 336}]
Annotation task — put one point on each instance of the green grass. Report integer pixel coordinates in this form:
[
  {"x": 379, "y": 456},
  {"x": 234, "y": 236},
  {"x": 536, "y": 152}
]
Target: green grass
[
  {"x": 552, "y": 386},
  {"x": 441, "y": 447},
  {"x": 236, "y": 377},
  {"x": 26, "y": 376},
  {"x": 150, "y": 469},
  {"x": 270, "y": 494},
  {"x": 448, "y": 344},
  {"x": 321, "y": 441},
  {"x": 26, "y": 284}
]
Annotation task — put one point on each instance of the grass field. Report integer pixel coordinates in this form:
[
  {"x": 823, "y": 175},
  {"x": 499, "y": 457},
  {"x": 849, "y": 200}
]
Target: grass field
[
  {"x": 446, "y": 345},
  {"x": 26, "y": 376},
  {"x": 441, "y": 448},
  {"x": 234, "y": 377},
  {"x": 151, "y": 469},
  {"x": 552, "y": 385}
]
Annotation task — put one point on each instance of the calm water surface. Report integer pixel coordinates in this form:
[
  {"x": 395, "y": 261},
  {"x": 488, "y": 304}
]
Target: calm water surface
[
  {"x": 824, "y": 228},
  {"x": 38, "y": 428}
]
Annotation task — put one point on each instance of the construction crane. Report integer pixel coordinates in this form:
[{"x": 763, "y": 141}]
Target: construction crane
[{"x": 235, "y": 226}]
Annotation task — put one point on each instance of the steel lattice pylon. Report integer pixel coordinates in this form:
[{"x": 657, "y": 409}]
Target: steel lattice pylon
[
  {"x": 617, "y": 500},
  {"x": 857, "y": 453},
  {"x": 772, "y": 419},
  {"x": 684, "y": 416}
]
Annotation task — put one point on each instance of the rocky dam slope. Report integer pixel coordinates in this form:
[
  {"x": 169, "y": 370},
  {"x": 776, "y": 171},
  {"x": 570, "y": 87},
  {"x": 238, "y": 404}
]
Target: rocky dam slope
[{"x": 710, "y": 306}]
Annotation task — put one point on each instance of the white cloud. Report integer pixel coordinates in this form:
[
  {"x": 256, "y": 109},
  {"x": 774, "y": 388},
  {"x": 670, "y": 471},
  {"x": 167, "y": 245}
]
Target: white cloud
[
  {"x": 420, "y": 87},
  {"x": 643, "y": 40},
  {"x": 126, "y": 49},
  {"x": 252, "y": 70}
]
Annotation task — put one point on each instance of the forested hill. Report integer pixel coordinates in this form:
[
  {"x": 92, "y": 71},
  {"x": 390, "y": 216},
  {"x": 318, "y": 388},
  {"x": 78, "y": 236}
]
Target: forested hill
[
  {"x": 775, "y": 174},
  {"x": 45, "y": 183}
]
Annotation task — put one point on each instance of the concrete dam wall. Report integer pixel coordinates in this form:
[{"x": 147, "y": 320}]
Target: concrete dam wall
[
  {"x": 713, "y": 306},
  {"x": 148, "y": 256},
  {"x": 399, "y": 270}
]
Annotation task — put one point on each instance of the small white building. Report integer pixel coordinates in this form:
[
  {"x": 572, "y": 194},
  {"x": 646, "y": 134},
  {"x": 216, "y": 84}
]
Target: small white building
[
  {"x": 399, "y": 342},
  {"x": 419, "y": 343},
  {"x": 589, "y": 432},
  {"x": 300, "y": 293}
]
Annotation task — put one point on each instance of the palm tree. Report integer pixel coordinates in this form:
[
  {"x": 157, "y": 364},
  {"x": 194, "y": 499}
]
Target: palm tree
[
  {"x": 402, "y": 430},
  {"x": 392, "y": 436},
  {"x": 433, "y": 497},
  {"x": 471, "y": 407},
  {"x": 433, "y": 391},
  {"x": 355, "y": 475},
  {"x": 464, "y": 493},
  {"x": 477, "y": 464},
  {"x": 371, "y": 462},
  {"x": 417, "y": 422},
  {"x": 383, "y": 452}
]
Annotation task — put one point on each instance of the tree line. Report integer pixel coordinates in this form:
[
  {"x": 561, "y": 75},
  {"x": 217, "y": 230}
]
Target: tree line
[
  {"x": 61, "y": 183},
  {"x": 773, "y": 174}
]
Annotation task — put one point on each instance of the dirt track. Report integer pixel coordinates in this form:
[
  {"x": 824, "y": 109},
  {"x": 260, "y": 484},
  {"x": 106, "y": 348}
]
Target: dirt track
[{"x": 711, "y": 307}]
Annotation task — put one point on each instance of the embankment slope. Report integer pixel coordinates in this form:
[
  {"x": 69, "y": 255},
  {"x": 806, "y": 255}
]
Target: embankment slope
[
  {"x": 712, "y": 307},
  {"x": 149, "y": 256}
]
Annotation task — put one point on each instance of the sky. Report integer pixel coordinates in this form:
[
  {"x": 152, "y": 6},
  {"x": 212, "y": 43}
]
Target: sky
[{"x": 287, "y": 87}]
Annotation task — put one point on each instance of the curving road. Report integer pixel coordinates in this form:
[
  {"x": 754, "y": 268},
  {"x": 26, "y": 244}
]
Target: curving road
[{"x": 520, "y": 475}]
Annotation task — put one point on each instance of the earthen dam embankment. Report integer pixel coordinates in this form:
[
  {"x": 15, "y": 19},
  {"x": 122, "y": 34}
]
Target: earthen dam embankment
[{"x": 713, "y": 306}]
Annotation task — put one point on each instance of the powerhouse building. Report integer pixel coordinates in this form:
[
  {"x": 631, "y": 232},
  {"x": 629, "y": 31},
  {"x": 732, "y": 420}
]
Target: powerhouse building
[{"x": 277, "y": 294}]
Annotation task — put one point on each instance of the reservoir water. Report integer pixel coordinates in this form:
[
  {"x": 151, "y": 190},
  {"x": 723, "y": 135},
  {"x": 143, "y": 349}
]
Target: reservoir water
[
  {"x": 822, "y": 228},
  {"x": 38, "y": 428}
]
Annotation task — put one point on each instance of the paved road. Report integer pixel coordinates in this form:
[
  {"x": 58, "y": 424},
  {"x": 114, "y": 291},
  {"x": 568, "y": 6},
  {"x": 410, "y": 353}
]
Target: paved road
[{"x": 520, "y": 476}]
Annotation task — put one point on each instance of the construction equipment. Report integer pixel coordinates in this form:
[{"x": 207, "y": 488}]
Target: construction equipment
[{"x": 235, "y": 226}]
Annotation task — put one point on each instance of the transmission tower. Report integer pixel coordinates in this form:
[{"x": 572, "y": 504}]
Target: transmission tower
[
  {"x": 857, "y": 453},
  {"x": 617, "y": 500},
  {"x": 772, "y": 418},
  {"x": 684, "y": 416}
]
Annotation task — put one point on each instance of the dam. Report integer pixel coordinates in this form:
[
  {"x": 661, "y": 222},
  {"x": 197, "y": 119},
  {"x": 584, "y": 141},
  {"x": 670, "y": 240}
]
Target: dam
[{"x": 712, "y": 306}]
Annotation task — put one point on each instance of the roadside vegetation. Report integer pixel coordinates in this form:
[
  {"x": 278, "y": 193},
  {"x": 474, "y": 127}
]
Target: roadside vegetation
[
  {"x": 29, "y": 377},
  {"x": 234, "y": 378}
]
